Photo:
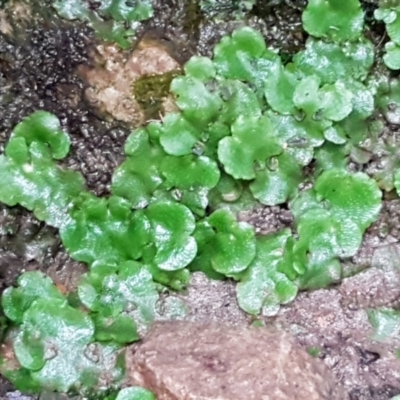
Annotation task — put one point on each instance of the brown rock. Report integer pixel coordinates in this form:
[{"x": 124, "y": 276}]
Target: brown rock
[
  {"x": 189, "y": 361},
  {"x": 110, "y": 81}
]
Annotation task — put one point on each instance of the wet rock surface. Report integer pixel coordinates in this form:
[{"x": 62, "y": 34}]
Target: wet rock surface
[
  {"x": 220, "y": 362},
  {"x": 189, "y": 31}
]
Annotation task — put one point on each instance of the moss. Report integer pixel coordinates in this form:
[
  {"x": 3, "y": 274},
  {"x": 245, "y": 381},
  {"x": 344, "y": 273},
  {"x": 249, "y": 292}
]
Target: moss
[
  {"x": 192, "y": 18},
  {"x": 151, "y": 90}
]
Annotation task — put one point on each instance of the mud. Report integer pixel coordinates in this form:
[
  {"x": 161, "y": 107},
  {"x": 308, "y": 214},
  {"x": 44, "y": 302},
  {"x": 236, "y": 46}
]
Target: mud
[{"x": 41, "y": 67}]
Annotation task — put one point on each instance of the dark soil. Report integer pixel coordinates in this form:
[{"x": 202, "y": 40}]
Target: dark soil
[{"x": 38, "y": 70}]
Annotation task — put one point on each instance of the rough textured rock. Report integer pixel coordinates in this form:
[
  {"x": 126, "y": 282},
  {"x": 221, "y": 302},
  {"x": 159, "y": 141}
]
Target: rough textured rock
[
  {"x": 191, "y": 361},
  {"x": 213, "y": 301},
  {"x": 334, "y": 322},
  {"x": 111, "y": 79}
]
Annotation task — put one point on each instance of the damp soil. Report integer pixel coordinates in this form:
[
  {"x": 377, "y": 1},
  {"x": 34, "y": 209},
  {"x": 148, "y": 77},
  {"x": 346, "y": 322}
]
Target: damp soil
[{"x": 45, "y": 64}]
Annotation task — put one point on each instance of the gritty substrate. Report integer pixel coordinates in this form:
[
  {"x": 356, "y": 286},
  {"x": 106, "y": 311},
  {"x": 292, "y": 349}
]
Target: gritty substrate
[{"x": 38, "y": 70}]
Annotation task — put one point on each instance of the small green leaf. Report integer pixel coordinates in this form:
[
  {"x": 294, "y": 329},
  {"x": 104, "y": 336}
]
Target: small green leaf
[
  {"x": 17, "y": 150},
  {"x": 195, "y": 199},
  {"x": 120, "y": 329},
  {"x": 189, "y": 172},
  {"x": 201, "y": 68},
  {"x": 21, "y": 379},
  {"x": 324, "y": 236},
  {"x": 297, "y": 134},
  {"x": 240, "y": 99},
  {"x": 138, "y": 290},
  {"x": 111, "y": 291},
  {"x": 112, "y": 20},
  {"x": 71, "y": 9},
  {"x": 35, "y": 182},
  {"x": 274, "y": 185},
  {"x": 335, "y": 134},
  {"x": 204, "y": 234},
  {"x": 135, "y": 393},
  {"x": 121, "y": 10},
  {"x": 304, "y": 201},
  {"x": 30, "y": 351},
  {"x": 233, "y": 247},
  {"x": 362, "y": 99},
  {"x": 106, "y": 230},
  {"x": 252, "y": 143},
  {"x": 333, "y": 62},
  {"x": 176, "y": 280},
  {"x": 100, "y": 292},
  {"x": 357, "y": 126},
  {"x": 139, "y": 176},
  {"x": 305, "y": 96},
  {"x": 389, "y": 12},
  {"x": 262, "y": 288},
  {"x": 44, "y": 127},
  {"x": 328, "y": 236},
  {"x": 336, "y": 101},
  {"x": 112, "y": 31},
  {"x": 331, "y": 156},
  {"x": 354, "y": 197},
  {"x": 210, "y": 137},
  {"x": 233, "y": 56},
  {"x": 171, "y": 227},
  {"x": 31, "y": 286},
  {"x": 293, "y": 262},
  {"x": 320, "y": 274},
  {"x": 199, "y": 106},
  {"x": 136, "y": 179},
  {"x": 63, "y": 333},
  {"x": 392, "y": 56},
  {"x": 280, "y": 87},
  {"x": 387, "y": 15},
  {"x": 179, "y": 136},
  {"x": 386, "y": 322},
  {"x": 334, "y": 19},
  {"x": 138, "y": 142}
]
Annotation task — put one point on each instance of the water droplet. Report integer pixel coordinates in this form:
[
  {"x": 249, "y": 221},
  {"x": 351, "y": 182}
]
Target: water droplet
[
  {"x": 28, "y": 168},
  {"x": 198, "y": 149},
  {"x": 204, "y": 137},
  {"x": 273, "y": 164},
  {"x": 226, "y": 93},
  {"x": 142, "y": 203},
  {"x": 259, "y": 166},
  {"x": 177, "y": 194},
  {"x": 299, "y": 116},
  {"x": 318, "y": 116},
  {"x": 231, "y": 196}
]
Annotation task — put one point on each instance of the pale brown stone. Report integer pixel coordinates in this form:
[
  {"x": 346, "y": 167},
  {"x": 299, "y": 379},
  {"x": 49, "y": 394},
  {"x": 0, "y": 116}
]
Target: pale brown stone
[{"x": 189, "y": 361}]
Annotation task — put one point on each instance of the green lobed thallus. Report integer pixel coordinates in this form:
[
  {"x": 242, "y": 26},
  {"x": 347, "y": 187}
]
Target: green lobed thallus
[{"x": 248, "y": 126}]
